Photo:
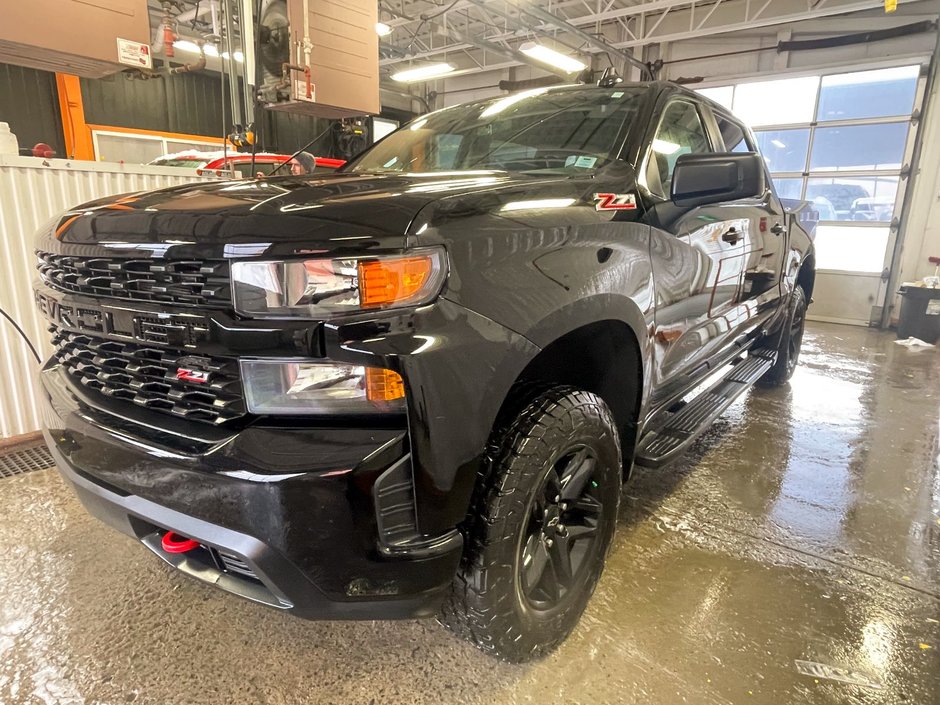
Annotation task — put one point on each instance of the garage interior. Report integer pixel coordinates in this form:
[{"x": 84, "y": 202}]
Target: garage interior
[{"x": 791, "y": 555}]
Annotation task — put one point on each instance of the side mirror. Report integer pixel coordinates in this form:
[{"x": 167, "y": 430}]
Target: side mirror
[{"x": 702, "y": 179}]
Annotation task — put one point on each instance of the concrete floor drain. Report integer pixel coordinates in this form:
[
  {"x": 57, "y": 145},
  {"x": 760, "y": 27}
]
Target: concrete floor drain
[{"x": 18, "y": 462}]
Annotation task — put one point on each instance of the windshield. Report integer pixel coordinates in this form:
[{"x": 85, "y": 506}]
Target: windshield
[{"x": 542, "y": 130}]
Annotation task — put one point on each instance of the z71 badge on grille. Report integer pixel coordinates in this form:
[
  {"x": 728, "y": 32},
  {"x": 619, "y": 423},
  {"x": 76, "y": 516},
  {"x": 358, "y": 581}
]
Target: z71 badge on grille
[
  {"x": 188, "y": 375},
  {"x": 615, "y": 201}
]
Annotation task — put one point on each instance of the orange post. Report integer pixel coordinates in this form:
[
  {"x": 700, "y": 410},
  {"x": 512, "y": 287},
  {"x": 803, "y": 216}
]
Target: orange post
[{"x": 78, "y": 142}]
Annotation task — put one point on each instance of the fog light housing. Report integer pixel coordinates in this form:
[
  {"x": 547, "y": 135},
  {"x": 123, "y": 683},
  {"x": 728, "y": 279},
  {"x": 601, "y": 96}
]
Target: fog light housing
[{"x": 298, "y": 388}]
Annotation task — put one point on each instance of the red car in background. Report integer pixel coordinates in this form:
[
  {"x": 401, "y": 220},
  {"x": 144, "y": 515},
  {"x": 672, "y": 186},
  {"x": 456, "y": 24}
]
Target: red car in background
[{"x": 238, "y": 162}]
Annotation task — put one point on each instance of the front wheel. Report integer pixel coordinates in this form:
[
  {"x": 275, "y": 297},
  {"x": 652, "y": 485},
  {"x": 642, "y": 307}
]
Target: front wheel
[
  {"x": 540, "y": 528},
  {"x": 791, "y": 340}
]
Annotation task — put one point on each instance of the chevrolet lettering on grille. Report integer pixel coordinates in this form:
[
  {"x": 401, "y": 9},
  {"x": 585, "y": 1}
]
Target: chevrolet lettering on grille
[{"x": 160, "y": 328}]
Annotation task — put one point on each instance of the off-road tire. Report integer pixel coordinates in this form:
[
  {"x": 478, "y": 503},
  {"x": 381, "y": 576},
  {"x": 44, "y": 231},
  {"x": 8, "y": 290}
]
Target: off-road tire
[
  {"x": 487, "y": 604},
  {"x": 790, "y": 342}
]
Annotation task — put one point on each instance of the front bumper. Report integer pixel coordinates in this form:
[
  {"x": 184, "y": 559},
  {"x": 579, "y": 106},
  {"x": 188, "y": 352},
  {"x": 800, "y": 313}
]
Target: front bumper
[{"x": 285, "y": 517}]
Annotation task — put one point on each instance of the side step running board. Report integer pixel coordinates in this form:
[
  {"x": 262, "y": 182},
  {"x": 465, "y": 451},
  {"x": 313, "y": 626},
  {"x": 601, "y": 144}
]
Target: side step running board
[{"x": 673, "y": 431}]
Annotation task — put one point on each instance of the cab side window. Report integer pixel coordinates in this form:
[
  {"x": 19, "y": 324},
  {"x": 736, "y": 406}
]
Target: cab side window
[
  {"x": 681, "y": 131},
  {"x": 733, "y": 135}
]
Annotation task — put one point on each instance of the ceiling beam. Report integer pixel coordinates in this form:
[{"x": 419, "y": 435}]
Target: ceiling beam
[
  {"x": 518, "y": 21},
  {"x": 530, "y": 9},
  {"x": 507, "y": 52},
  {"x": 657, "y": 7},
  {"x": 735, "y": 16},
  {"x": 827, "y": 10}
]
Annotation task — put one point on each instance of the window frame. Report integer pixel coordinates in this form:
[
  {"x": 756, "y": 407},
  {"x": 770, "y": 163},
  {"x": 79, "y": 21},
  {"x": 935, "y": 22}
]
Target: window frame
[
  {"x": 705, "y": 117},
  {"x": 211, "y": 144},
  {"x": 749, "y": 136}
]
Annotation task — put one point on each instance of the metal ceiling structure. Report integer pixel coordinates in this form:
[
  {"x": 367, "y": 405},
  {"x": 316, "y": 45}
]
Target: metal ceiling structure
[
  {"x": 484, "y": 35},
  {"x": 475, "y": 35}
]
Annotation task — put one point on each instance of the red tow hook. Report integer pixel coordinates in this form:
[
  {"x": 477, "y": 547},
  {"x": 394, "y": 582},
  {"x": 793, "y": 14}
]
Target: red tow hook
[{"x": 174, "y": 543}]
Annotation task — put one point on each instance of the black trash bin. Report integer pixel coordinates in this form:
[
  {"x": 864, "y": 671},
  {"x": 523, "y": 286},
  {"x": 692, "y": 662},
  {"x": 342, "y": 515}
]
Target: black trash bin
[{"x": 920, "y": 313}]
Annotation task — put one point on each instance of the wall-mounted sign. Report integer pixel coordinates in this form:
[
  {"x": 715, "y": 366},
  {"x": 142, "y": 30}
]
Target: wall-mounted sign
[{"x": 134, "y": 54}]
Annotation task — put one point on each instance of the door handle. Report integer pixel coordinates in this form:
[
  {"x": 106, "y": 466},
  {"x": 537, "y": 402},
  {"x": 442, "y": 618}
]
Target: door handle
[
  {"x": 732, "y": 236},
  {"x": 778, "y": 229}
]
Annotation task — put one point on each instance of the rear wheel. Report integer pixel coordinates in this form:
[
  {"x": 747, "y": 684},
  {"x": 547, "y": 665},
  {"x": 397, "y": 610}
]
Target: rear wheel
[
  {"x": 540, "y": 528},
  {"x": 791, "y": 341}
]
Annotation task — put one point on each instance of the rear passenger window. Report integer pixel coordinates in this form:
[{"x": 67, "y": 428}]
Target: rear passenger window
[
  {"x": 733, "y": 135},
  {"x": 680, "y": 132}
]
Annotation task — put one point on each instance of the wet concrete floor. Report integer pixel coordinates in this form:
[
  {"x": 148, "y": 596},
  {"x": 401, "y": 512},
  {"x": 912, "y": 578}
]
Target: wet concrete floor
[{"x": 805, "y": 527}]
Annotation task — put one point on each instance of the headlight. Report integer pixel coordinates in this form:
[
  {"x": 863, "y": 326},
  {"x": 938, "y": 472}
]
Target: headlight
[
  {"x": 315, "y": 288},
  {"x": 276, "y": 387}
]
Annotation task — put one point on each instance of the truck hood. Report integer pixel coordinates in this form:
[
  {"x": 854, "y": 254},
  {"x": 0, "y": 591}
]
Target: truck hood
[{"x": 281, "y": 216}]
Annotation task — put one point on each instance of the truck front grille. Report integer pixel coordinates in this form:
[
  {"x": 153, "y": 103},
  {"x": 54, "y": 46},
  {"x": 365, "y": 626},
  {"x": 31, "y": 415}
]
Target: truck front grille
[
  {"x": 188, "y": 282},
  {"x": 149, "y": 376}
]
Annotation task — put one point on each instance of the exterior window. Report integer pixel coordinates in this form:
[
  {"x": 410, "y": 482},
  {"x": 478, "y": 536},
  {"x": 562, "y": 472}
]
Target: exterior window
[
  {"x": 857, "y": 198},
  {"x": 859, "y": 147},
  {"x": 680, "y": 132},
  {"x": 839, "y": 142},
  {"x": 847, "y": 96},
  {"x": 133, "y": 149},
  {"x": 723, "y": 95},
  {"x": 781, "y": 102},
  {"x": 789, "y": 188},
  {"x": 784, "y": 150}
]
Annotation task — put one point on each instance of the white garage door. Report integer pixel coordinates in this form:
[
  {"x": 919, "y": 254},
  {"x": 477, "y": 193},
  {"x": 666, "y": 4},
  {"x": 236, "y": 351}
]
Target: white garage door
[{"x": 844, "y": 141}]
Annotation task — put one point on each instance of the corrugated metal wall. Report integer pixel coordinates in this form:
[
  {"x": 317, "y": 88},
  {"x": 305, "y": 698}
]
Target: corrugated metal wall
[
  {"x": 188, "y": 103},
  {"x": 31, "y": 192},
  {"x": 29, "y": 101},
  {"x": 193, "y": 104}
]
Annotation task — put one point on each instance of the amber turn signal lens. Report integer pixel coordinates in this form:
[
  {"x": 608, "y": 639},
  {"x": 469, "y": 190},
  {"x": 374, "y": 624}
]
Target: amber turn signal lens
[
  {"x": 390, "y": 281},
  {"x": 383, "y": 385}
]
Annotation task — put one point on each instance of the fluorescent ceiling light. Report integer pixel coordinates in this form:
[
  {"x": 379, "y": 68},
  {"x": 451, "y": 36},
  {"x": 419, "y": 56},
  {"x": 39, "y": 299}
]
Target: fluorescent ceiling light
[
  {"x": 778, "y": 144},
  {"x": 382, "y": 29},
  {"x": 209, "y": 49},
  {"x": 552, "y": 57},
  {"x": 421, "y": 73},
  {"x": 186, "y": 45},
  {"x": 500, "y": 105},
  {"x": 538, "y": 204},
  {"x": 664, "y": 147}
]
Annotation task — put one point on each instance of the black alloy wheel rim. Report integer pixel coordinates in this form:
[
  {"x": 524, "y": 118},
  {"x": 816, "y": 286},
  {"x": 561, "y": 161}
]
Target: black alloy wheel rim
[
  {"x": 796, "y": 337},
  {"x": 562, "y": 529}
]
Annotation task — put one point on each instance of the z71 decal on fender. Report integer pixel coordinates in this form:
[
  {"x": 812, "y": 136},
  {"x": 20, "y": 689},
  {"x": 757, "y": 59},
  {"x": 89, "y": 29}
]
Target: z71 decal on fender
[{"x": 615, "y": 201}]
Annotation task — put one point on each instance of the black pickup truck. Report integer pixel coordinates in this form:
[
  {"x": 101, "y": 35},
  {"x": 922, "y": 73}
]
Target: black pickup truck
[{"x": 414, "y": 387}]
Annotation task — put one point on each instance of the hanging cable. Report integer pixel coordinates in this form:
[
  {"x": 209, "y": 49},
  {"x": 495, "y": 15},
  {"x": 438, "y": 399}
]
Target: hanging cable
[{"x": 22, "y": 334}]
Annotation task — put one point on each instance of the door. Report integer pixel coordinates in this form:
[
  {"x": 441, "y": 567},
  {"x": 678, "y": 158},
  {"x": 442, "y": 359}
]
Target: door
[
  {"x": 763, "y": 246},
  {"x": 844, "y": 143},
  {"x": 700, "y": 258}
]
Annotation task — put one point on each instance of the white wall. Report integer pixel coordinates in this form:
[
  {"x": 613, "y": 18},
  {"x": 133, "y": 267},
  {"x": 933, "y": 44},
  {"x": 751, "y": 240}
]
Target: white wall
[
  {"x": 739, "y": 65},
  {"x": 478, "y": 86},
  {"x": 921, "y": 227},
  {"x": 32, "y": 191},
  {"x": 393, "y": 98}
]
